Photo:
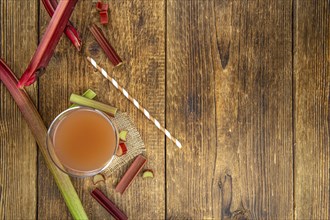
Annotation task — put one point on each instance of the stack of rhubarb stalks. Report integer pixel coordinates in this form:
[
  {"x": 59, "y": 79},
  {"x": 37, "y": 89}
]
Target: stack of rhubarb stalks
[{"x": 59, "y": 24}]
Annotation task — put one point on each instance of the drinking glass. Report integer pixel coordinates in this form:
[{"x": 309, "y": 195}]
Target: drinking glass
[{"x": 51, "y": 145}]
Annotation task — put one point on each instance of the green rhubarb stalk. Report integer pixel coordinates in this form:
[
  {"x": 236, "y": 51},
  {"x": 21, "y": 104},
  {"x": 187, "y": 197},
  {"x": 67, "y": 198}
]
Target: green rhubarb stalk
[
  {"x": 39, "y": 131},
  {"x": 80, "y": 100},
  {"x": 90, "y": 94}
]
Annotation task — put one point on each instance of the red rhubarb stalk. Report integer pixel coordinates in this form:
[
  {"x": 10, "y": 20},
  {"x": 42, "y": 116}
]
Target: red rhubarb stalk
[
  {"x": 108, "y": 204},
  {"x": 131, "y": 173},
  {"x": 70, "y": 31},
  {"x": 105, "y": 45},
  {"x": 39, "y": 132},
  {"x": 48, "y": 42}
]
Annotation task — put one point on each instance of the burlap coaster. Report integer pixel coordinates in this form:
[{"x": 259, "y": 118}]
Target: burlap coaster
[{"x": 134, "y": 143}]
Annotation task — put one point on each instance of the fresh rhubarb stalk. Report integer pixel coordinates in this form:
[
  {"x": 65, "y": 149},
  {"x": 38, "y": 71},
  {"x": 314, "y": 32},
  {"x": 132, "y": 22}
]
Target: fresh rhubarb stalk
[
  {"x": 48, "y": 42},
  {"x": 39, "y": 132},
  {"x": 90, "y": 94},
  {"x": 70, "y": 31},
  {"x": 131, "y": 173},
  {"x": 105, "y": 45},
  {"x": 108, "y": 205},
  {"x": 80, "y": 100}
]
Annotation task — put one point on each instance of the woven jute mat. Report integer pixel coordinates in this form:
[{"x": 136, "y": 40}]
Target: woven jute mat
[{"x": 134, "y": 143}]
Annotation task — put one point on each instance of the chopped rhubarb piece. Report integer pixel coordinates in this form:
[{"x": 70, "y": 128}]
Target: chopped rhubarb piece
[
  {"x": 100, "y": 6},
  {"x": 131, "y": 173},
  {"x": 122, "y": 135},
  {"x": 105, "y": 45},
  {"x": 108, "y": 205},
  {"x": 48, "y": 42},
  {"x": 70, "y": 31},
  {"x": 122, "y": 149},
  {"x": 104, "y": 18},
  {"x": 90, "y": 94},
  {"x": 105, "y": 7},
  {"x": 98, "y": 178},
  {"x": 148, "y": 174}
]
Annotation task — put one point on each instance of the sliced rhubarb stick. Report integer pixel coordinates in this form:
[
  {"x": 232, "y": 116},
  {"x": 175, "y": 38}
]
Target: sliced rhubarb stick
[
  {"x": 131, "y": 173},
  {"x": 148, "y": 174},
  {"x": 90, "y": 94},
  {"x": 48, "y": 42},
  {"x": 108, "y": 204},
  {"x": 122, "y": 149},
  {"x": 122, "y": 135},
  {"x": 80, "y": 100},
  {"x": 39, "y": 131},
  {"x": 105, "y": 45},
  {"x": 98, "y": 178},
  {"x": 73, "y": 35},
  {"x": 100, "y": 6},
  {"x": 70, "y": 31},
  {"x": 104, "y": 19}
]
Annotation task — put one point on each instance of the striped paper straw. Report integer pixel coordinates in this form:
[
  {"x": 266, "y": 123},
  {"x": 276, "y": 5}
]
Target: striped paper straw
[{"x": 134, "y": 101}]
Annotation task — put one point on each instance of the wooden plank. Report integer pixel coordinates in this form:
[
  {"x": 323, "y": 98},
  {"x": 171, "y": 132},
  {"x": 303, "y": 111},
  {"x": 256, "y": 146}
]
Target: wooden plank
[
  {"x": 190, "y": 110},
  {"x": 312, "y": 114},
  {"x": 230, "y": 68},
  {"x": 137, "y": 31},
  {"x": 265, "y": 109},
  {"x": 18, "y": 150}
]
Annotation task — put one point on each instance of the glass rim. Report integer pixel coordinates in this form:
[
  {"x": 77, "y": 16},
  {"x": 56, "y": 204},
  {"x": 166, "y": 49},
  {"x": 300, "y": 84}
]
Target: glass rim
[{"x": 85, "y": 173}]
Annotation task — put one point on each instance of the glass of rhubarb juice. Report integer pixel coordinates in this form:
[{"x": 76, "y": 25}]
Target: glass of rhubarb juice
[{"x": 82, "y": 141}]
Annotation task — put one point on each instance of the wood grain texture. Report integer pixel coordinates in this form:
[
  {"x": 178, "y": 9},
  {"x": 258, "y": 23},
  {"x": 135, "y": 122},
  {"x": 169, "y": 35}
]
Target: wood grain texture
[
  {"x": 312, "y": 112},
  {"x": 18, "y": 150},
  {"x": 244, "y": 85},
  {"x": 190, "y": 111},
  {"x": 136, "y": 29},
  {"x": 229, "y": 66},
  {"x": 265, "y": 134}
]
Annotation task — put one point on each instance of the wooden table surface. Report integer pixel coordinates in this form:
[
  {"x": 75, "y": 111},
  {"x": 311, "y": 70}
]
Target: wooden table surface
[{"x": 243, "y": 84}]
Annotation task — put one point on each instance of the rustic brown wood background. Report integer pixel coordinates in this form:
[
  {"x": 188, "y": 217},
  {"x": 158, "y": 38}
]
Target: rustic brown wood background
[{"x": 244, "y": 84}]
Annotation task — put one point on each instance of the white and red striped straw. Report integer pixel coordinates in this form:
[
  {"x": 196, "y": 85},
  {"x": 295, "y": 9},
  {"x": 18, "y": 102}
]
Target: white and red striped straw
[{"x": 134, "y": 101}]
